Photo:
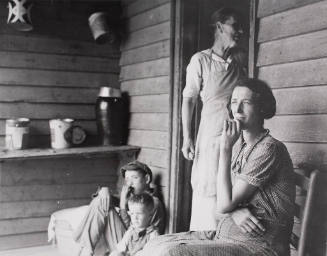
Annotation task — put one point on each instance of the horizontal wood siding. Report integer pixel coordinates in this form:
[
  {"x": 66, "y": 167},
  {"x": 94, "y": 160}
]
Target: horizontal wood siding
[
  {"x": 145, "y": 75},
  {"x": 147, "y": 86},
  {"x": 139, "y": 6},
  {"x": 54, "y": 71},
  {"x": 23, "y": 240},
  {"x": 42, "y": 44},
  {"x": 146, "y": 53},
  {"x": 300, "y": 128},
  {"x": 149, "y": 18},
  {"x": 295, "y": 74},
  {"x": 151, "y": 121},
  {"x": 268, "y": 7},
  {"x": 148, "y": 35},
  {"x": 298, "y": 100},
  {"x": 28, "y": 225},
  {"x": 31, "y": 189},
  {"x": 307, "y": 152},
  {"x": 303, "y": 47},
  {"x": 293, "y": 22},
  {"x": 150, "y": 103},
  {"x": 58, "y": 62},
  {"x": 292, "y": 58}
]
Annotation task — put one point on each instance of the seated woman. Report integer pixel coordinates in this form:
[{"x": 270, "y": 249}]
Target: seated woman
[{"x": 255, "y": 186}]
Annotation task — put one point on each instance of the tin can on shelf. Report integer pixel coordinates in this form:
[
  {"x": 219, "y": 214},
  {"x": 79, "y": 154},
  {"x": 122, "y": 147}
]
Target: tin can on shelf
[
  {"x": 17, "y": 133},
  {"x": 58, "y": 128}
]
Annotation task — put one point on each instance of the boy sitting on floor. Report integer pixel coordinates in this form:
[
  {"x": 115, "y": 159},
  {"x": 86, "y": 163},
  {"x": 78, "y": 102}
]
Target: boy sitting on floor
[
  {"x": 106, "y": 220},
  {"x": 140, "y": 231},
  {"x": 102, "y": 217}
]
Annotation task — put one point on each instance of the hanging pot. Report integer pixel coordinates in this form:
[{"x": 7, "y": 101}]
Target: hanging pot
[{"x": 100, "y": 29}]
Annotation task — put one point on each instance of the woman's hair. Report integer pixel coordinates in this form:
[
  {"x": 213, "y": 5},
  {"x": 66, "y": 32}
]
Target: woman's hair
[
  {"x": 144, "y": 198},
  {"x": 223, "y": 14},
  {"x": 264, "y": 98}
]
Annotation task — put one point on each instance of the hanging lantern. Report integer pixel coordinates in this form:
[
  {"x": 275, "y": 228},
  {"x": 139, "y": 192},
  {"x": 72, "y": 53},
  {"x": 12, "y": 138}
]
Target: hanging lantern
[{"x": 20, "y": 14}]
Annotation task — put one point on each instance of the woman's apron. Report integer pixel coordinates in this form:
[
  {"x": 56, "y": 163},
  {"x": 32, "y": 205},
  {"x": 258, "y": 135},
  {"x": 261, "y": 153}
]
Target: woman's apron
[{"x": 217, "y": 88}]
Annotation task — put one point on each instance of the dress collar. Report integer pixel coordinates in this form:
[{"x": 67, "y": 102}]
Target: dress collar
[{"x": 241, "y": 145}]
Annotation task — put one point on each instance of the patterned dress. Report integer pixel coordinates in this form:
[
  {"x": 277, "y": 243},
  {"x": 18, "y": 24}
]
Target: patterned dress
[
  {"x": 266, "y": 165},
  {"x": 214, "y": 79}
]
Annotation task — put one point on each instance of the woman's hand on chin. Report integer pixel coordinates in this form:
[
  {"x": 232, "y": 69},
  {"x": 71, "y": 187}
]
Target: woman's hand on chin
[{"x": 231, "y": 133}]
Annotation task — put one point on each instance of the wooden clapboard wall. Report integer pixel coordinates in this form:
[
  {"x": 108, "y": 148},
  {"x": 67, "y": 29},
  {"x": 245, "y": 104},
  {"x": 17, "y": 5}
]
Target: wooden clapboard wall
[
  {"x": 145, "y": 76},
  {"x": 31, "y": 189},
  {"x": 55, "y": 70},
  {"x": 292, "y": 58}
]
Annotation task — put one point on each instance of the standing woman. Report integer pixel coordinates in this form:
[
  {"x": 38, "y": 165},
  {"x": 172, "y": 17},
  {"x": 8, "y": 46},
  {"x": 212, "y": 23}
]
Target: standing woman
[{"x": 212, "y": 74}]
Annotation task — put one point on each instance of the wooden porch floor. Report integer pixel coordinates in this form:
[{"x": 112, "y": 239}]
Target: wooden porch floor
[{"x": 47, "y": 250}]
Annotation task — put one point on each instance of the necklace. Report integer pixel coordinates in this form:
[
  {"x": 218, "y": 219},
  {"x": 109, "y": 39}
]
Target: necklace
[{"x": 245, "y": 151}]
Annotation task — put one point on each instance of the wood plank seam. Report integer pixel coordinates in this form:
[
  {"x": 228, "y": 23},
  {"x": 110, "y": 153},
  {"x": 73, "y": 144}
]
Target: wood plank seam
[
  {"x": 277, "y": 34},
  {"x": 144, "y": 45},
  {"x": 262, "y": 13},
  {"x": 63, "y": 71},
  {"x": 147, "y": 9},
  {"x": 150, "y": 26},
  {"x": 294, "y": 61},
  {"x": 139, "y": 78},
  {"x": 146, "y": 19},
  {"x": 144, "y": 62}
]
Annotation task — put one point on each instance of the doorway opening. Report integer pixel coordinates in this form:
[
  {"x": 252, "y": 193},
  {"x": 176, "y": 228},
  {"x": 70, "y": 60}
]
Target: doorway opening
[{"x": 192, "y": 33}]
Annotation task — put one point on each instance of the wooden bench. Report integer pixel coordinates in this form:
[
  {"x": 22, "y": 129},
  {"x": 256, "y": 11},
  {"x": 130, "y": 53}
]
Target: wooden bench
[{"x": 306, "y": 191}]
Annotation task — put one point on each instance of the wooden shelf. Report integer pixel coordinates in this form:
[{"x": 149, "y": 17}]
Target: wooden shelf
[{"x": 57, "y": 153}]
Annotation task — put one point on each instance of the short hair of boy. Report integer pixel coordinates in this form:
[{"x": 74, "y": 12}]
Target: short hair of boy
[
  {"x": 137, "y": 166},
  {"x": 143, "y": 198}
]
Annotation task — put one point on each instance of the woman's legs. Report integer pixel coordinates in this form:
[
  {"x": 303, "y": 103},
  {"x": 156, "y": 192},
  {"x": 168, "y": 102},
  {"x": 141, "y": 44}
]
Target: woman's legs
[
  {"x": 169, "y": 245},
  {"x": 208, "y": 248},
  {"x": 186, "y": 244}
]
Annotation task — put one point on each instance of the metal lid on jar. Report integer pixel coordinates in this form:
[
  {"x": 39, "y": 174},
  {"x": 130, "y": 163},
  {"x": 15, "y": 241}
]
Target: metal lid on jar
[
  {"x": 107, "y": 91},
  {"x": 18, "y": 122}
]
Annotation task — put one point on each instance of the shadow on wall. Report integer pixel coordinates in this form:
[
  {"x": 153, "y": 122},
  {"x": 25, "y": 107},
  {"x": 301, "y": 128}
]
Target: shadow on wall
[{"x": 125, "y": 117}]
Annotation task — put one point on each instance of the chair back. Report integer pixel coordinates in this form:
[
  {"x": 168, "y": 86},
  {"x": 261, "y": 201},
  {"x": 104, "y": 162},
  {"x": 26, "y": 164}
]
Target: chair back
[{"x": 306, "y": 187}]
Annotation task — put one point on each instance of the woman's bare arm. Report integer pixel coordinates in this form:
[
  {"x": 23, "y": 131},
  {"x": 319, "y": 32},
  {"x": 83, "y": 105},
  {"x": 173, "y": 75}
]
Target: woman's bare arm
[
  {"x": 187, "y": 113},
  {"x": 230, "y": 196}
]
